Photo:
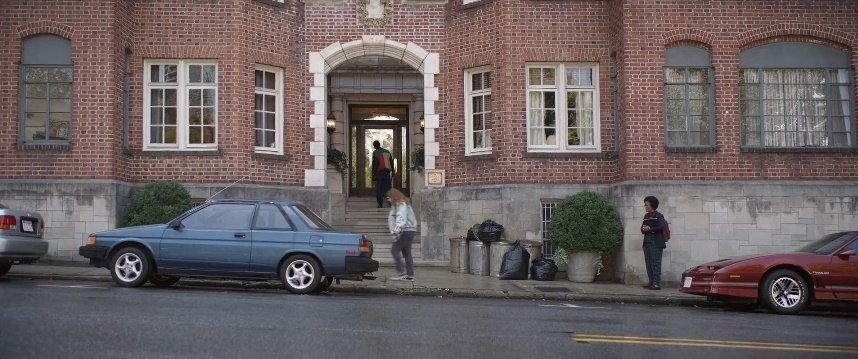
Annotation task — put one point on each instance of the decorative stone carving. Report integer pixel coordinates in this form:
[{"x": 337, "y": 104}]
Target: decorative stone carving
[{"x": 374, "y": 12}]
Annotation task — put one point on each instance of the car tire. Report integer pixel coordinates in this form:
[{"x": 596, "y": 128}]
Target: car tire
[
  {"x": 784, "y": 292},
  {"x": 300, "y": 274},
  {"x": 4, "y": 268},
  {"x": 324, "y": 284},
  {"x": 160, "y": 280},
  {"x": 129, "y": 267}
]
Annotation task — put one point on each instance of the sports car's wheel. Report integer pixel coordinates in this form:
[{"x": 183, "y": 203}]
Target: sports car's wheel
[
  {"x": 324, "y": 284},
  {"x": 784, "y": 292},
  {"x": 4, "y": 268},
  {"x": 129, "y": 267},
  {"x": 300, "y": 274},
  {"x": 161, "y": 280}
]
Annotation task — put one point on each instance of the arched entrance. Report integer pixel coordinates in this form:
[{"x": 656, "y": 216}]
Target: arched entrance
[{"x": 325, "y": 61}]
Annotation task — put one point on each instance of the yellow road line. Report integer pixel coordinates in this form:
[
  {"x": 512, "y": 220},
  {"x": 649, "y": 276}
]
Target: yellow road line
[{"x": 713, "y": 343}]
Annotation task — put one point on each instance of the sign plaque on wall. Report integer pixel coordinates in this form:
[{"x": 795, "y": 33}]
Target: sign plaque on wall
[{"x": 434, "y": 178}]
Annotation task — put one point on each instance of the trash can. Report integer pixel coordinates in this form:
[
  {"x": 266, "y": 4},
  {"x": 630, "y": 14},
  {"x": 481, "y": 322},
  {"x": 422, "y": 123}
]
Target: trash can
[
  {"x": 497, "y": 250},
  {"x": 533, "y": 247},
  {"x": 478, "y": 254},
  {"x": 459, "y": 255}
]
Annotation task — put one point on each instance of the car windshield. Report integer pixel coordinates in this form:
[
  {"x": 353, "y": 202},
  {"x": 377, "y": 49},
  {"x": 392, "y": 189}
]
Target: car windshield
[
  {"x": 827, "y": 244},
  {"x": 2, "y": 206},
  {"x": 310, "y": 218}
]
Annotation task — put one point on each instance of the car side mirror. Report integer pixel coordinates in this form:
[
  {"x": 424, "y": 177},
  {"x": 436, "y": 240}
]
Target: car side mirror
[
  {"x": 846, "y": 254},
  {"x": 175, "y": 224}
]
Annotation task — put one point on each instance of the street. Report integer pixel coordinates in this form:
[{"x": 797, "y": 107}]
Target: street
[{"x": 76, "y": 319}]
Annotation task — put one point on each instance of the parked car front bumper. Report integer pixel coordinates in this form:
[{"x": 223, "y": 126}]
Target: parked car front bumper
[
  {"x": 96, "y": 255},
  {"x": 17, "y": 248},
  {"x": 361, "y": 265}
]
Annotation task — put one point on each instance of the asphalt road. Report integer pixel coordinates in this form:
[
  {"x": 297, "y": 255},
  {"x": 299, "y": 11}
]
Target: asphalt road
[{"x": 67, "y": 319}]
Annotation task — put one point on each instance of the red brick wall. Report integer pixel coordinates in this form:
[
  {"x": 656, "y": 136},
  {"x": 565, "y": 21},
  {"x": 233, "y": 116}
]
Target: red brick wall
[
  {"x": 726, "y": 27},
  {"x": 88, "y": 26}
]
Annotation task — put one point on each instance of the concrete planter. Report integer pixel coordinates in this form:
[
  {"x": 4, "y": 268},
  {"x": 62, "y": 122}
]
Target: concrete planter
[{"x": 582, "y": 267}]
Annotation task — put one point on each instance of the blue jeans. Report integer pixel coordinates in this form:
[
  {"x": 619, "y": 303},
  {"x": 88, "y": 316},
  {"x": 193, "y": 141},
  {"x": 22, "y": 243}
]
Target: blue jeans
[
  {"x": 652, "y": 256},
  {"x": 400, "y": 250},
  {"x": 382, "y": 185}
]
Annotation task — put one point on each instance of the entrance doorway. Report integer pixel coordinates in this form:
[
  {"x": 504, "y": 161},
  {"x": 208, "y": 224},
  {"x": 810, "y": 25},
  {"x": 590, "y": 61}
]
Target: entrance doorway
[{"x": 387, "y": 124}]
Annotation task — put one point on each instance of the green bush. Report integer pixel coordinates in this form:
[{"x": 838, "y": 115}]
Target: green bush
[
  {"x": 418, "y": 160},
  {"x": 585, "y": 222},
  {"x": 157, "y": 202},
  {"x": 338, "y": 159}
]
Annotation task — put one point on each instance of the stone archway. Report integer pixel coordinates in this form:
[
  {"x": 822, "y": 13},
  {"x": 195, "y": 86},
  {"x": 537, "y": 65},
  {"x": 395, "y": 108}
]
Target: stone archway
[{"x": 323, "y": 62}]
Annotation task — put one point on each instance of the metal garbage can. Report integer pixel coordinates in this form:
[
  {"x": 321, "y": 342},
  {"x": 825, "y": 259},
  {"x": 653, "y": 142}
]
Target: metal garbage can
[
  {"x": 533, "y": 247},
  {"x": 497, "y": 250},
  {"x": 459, "y": 255},
  {"x": 478, "y": 254}
]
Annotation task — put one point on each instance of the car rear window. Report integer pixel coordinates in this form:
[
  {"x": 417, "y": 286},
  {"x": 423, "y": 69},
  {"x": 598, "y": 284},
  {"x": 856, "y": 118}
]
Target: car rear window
[{"x": 310, "y": 218}]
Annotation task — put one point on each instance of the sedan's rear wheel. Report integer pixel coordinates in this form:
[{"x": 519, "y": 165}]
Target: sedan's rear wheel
[
  {"x": 129, "y": 267},
  {"x": 161, "y": 280},
  {"x": 784, "y": 292},
  {"x": 4, "y": 267},
  {"x": 300, "y": 274}
]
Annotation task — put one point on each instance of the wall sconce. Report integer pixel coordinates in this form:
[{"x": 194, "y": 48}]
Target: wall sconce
[
  {"x": 422, "y": 123},
  {"x": 331, "y": 124}
]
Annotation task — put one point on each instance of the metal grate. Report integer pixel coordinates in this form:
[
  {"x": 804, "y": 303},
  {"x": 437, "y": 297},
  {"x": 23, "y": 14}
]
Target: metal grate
[{"x": 547, "y": 212}]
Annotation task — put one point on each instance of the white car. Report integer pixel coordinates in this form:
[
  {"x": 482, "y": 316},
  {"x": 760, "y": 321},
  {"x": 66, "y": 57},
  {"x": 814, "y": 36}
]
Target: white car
[{"x": 20, "y": 237}]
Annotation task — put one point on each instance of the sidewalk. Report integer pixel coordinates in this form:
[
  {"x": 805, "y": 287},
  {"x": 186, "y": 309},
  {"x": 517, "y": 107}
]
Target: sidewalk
[{"x": 431, "y": 281}]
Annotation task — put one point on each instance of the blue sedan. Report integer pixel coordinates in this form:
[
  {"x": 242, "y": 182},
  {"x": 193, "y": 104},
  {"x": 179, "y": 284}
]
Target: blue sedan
[{"x": 246, "y": 239}]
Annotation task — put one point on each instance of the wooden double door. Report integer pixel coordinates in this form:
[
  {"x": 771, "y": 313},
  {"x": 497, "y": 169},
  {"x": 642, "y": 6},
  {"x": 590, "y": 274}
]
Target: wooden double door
[{"x": 387, "y": 124}]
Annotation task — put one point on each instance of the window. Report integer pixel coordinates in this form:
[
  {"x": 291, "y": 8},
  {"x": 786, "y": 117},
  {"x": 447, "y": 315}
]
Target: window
[
  {"x": 478, "y": 110},
  {"x": 270, "y": 216},
  {"x": 180, "y": 105},
  {"x": 268, "y": 112},
  {"x": 46, "y": 90},
  {"x": 229, "y": 216},
  {"x": 547, "y": 212},
  {"x": 796, "y": 95},
  {"x": 562, "y": 107},
  {"x": 688, "y": 98}
]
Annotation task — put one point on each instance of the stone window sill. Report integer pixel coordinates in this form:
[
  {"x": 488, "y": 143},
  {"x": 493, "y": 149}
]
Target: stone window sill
[
  {"x": 691, "y": 149},
  {"x": 35, "y": 146},
  {"x": 478, "y": 158},
  {"x": 173, "y": 153},
  {"x": 477, "y": 3},
  {"x": 798, "y": 150},
  {"x": 607, "y": 155}
]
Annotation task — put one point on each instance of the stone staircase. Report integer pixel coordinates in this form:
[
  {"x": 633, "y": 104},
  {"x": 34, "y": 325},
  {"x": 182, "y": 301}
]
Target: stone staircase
[{"x": 363, "y": 216}]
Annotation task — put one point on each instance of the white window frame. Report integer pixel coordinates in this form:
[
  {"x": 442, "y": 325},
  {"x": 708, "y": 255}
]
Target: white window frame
[
  {"x": 182, "y": 108},
  {"x": 278, "y": 109},
  {"x": 560, "y": 88},
  {"x": 469, "y": 111}
]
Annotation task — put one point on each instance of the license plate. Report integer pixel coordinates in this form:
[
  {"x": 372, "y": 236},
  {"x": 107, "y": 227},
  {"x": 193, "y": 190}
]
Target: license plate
[
  {"x": 27, "y": 226},
  {"x": 686, "y": 283}
]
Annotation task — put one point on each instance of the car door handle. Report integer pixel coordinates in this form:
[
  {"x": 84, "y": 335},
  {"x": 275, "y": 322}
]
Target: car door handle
[{"x": 239, "y": 235}]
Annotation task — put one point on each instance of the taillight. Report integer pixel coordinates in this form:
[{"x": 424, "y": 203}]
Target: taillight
[
  {"x": 366, "y": 246},
  {"x": 7, "y": 222}
]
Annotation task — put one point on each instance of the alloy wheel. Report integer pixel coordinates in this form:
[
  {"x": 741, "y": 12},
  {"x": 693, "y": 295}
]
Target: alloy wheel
[
  {"x": 786, "y": 292},
  {"x": 128, "y": 267},
  {"x": 300, "y": 274}
]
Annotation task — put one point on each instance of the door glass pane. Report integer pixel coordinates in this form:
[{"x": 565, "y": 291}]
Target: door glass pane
[
  {"x": 382, "y": 135},
  {"x": 403, "y": 163}
]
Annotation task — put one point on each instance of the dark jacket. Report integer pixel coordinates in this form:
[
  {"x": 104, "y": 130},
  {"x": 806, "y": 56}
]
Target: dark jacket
[{"x": 656, "y": 227}]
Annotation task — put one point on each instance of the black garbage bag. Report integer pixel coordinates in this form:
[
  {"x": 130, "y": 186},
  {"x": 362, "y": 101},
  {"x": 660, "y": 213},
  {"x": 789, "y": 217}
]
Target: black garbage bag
[
  {"x": 472, "y": 235},
  {"x": 543, "y": 269},
  {"x": 490, "y": 231},
  {"x": 515, "y": 262}
]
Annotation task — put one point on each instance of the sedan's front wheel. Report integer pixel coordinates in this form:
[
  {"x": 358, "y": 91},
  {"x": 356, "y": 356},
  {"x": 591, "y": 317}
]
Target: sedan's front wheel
[
  {"x": 784, "y": 292},
  {"x": 300, "y": 274},
  {"x": 129, "y": 267}
]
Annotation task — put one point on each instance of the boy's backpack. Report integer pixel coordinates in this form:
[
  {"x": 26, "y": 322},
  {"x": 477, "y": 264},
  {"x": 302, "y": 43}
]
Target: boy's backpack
[{"x": 666, "y": 232}]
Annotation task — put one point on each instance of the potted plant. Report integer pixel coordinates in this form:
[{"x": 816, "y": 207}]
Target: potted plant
[
  {"x": 338, "y": 159},
  {"x": 418, "y": 160},
  {"x": 586, "y": 226}
]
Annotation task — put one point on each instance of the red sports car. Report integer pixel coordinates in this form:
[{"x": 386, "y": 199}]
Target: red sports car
[{"x": 824, "y": 270}]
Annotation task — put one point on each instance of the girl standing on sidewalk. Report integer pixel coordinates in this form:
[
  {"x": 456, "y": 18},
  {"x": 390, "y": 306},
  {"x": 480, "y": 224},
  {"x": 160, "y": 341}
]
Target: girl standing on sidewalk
[{"x": 403, "y": 226}]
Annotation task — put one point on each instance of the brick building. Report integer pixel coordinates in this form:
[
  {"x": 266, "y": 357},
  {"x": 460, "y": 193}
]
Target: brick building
[{"x": 738, "y": 115}]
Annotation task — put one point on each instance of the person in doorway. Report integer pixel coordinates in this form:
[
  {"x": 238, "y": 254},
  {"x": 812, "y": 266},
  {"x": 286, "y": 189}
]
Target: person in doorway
[
  {"x": 403, "y": 226},
  {"x": 653, "y": 244},
  {"x": 382, "y": 168}
]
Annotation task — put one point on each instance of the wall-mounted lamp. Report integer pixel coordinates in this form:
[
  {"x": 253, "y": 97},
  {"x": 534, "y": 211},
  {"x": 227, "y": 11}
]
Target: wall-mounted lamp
[
  {"x": 422, "y": 123},
  {"x": 331, "y": 124}
]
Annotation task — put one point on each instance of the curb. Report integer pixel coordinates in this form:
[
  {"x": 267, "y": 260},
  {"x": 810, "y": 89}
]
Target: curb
[{"x": 416, "y": 291}]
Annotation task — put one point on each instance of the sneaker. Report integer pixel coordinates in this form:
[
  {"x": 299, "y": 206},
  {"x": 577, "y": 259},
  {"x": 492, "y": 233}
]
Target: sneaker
[
  {"x": 400, "y": 277},
  {"x": 409, "y": 278},
  {"x": 654, "y": 287}
]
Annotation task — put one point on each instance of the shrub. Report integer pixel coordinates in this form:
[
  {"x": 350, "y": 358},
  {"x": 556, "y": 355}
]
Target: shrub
[
  {"x": 157, "y": 202},
  {"x": 338, "y": 159},
  {"x": 585, "y": 222},
  {"x": 418, "y": 160}
]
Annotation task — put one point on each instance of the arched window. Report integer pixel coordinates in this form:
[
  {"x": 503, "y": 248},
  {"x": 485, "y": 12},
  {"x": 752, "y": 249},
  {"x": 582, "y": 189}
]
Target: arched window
[
  {"x": 46, "y": 89},
  {"x": 796, "y": 94},
  {"x": 689, "y": 99}
]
